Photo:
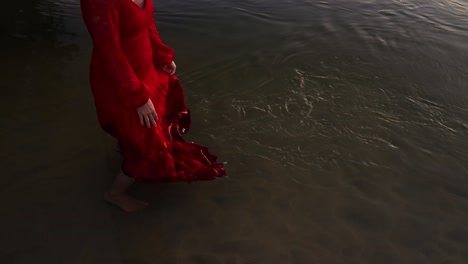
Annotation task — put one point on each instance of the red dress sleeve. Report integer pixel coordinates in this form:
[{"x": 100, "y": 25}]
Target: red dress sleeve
[
  {"x": 162, "y": 54},
  {"x": 102, "y": 19}
]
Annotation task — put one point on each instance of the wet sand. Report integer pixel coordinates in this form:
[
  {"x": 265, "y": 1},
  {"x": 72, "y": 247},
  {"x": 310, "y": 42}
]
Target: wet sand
[{"x": 340, "y": 155}]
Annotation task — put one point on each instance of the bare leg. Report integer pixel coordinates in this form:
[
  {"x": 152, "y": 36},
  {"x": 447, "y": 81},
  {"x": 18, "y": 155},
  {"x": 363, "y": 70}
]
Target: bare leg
[{"x": 117, "y": 194}]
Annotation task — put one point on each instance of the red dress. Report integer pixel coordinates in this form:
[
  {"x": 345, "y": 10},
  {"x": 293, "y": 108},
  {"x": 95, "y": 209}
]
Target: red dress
[{"x": 125, "y": 72}]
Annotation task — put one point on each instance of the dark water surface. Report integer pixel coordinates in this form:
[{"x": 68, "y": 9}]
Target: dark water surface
[{"x": 344, "y": 124}]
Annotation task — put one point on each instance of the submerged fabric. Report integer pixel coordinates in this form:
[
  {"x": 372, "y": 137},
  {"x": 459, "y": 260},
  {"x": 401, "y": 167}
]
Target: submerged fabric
[{"x": 126, "y": 63}]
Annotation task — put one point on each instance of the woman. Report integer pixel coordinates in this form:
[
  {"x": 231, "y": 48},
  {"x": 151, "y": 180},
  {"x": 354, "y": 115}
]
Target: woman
[{"x": 139, "y": 101}]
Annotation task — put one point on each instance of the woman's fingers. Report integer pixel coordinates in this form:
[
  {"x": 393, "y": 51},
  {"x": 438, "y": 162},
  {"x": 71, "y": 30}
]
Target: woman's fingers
[
  {"x": 141, "y": 119},
  {"x": 147, "y": 122},
  {"x": 152, "y": 120},
  {"x": 147, "y": 114}
]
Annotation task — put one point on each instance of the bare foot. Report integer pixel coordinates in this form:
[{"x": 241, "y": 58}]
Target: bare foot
[{"x": 125, "y": 202}]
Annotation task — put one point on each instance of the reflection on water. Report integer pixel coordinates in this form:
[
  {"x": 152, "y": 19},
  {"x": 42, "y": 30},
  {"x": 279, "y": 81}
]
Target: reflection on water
[{"x": 344, "y": 124}]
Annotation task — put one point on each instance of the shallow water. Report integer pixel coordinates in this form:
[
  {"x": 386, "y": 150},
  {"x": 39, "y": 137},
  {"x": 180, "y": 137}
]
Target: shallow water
[{"x": 343, "y": 124}]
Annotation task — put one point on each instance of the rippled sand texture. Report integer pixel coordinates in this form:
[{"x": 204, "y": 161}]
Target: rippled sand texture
[{"x": 343, "y": 124}]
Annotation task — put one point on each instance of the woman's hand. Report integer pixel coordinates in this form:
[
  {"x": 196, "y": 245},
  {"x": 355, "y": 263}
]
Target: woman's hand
[
  {"x": 170, "y": 68},
  {"x": 147, "y": 114}
]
